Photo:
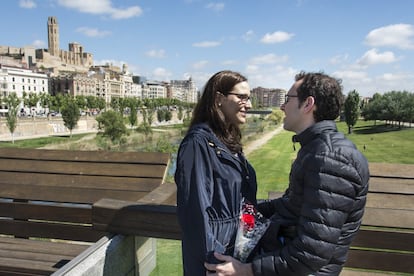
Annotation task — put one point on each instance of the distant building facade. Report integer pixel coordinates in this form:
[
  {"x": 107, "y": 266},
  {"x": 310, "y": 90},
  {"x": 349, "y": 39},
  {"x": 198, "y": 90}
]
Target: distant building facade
[
  {"x": 184, "y": 90},
  {"x": 20, "y": 81},
  {"x": 269, "y": 97}
]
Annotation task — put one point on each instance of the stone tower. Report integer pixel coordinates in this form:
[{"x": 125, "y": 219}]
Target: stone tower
[{"x": 53, "y": 36}]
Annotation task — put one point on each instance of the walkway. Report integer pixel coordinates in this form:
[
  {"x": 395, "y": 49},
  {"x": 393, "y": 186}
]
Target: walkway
[{"x": 260, "y": 141}]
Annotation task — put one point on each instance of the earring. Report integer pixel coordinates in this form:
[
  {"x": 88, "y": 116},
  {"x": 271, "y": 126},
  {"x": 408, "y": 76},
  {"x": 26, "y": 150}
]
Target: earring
[{"x": 219, "y": 104}]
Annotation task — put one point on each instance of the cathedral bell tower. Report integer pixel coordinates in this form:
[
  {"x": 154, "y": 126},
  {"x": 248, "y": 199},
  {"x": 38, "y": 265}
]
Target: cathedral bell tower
[{"x": 53, "y": 36}]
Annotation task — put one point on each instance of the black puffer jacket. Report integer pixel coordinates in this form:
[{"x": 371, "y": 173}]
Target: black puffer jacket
[{"x": 325, "y": 202}]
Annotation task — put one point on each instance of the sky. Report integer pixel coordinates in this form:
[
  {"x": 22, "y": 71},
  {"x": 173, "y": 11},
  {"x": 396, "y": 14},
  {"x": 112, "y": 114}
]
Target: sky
[{"x": 368, "y": 44}]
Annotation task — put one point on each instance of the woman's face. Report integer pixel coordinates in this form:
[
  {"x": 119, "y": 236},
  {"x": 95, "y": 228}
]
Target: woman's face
[{"x": 235, "y": 104}]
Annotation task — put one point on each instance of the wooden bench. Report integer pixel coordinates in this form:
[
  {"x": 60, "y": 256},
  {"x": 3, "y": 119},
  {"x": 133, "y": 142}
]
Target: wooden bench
[
  {"x": 46, "y": 199},
  {"x": 384, "y": 243}
]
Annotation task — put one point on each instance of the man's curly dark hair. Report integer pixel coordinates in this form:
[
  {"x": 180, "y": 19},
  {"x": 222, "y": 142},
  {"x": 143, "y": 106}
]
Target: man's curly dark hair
[{"x": 327, "y": 92}]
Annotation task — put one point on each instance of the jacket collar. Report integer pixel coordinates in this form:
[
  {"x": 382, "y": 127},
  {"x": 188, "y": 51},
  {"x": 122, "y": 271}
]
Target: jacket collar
[{"x": 313, "y": 131}]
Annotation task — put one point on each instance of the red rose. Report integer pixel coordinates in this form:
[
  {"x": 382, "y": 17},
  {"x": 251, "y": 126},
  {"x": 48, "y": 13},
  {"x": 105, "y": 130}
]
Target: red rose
[{"x": 248, "y": 219}]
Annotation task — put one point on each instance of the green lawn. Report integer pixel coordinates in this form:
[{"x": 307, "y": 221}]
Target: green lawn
[{"x": 272, "y": 164}]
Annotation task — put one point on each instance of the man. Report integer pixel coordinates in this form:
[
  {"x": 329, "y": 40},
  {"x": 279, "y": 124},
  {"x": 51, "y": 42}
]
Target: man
[{"x": 316, "y": 219}]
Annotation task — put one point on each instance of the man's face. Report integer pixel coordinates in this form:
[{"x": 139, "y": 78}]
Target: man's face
[{"x": 293, "y": 120}]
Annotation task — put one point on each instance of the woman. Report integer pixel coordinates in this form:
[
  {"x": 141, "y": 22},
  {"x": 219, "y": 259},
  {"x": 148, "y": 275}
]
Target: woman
[{"x": 212, "y": 174}]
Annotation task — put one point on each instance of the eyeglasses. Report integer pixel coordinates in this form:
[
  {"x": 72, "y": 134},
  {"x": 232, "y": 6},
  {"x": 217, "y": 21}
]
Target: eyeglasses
[
  {"x": 289, "y": 96},
  {"x": 244, "y": 98}
]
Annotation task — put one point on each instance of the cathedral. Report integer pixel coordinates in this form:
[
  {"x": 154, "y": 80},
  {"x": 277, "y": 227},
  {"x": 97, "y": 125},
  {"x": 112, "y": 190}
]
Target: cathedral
[
  {"x": 75, "y": 59},
  {"x": 53, "y": 59}
]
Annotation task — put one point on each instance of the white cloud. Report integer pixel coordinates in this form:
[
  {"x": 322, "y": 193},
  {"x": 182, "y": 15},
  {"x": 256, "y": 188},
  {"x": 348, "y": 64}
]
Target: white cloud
[
  {"x": 207, "y": 44},
  {"x": 374, "y": 57},
  {"x": 399, "y": 35},
  {"x": 156, "y": 53},
  {"x": 271, "y": 76},
  {"x": 200, "y": 64},
  {"x": 269, "y": 59},
  {"x": 27, "y": 4},
  {"x": 229, "y": 62},
  {"x": 215, "y": 6},
  {"x": 247, "y": 36},
  {"x": 92, "y": 32},
  {"x": 161, "y": 74},
  {"x": 112, "y": 62},
  {"x": 101, "y": 7},
  {"x": 276, "y": 37},
  {"x": 351, "y": 75},
  {"x": 338, "y": 59},
  {"x": 39, "y": 44}
]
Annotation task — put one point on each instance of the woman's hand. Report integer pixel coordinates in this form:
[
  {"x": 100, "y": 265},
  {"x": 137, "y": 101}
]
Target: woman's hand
[{"x": 230, "y": 266}]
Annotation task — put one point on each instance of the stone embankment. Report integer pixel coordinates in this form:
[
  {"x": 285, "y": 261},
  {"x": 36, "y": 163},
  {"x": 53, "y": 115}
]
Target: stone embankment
[{"x": 28, "y": 128}]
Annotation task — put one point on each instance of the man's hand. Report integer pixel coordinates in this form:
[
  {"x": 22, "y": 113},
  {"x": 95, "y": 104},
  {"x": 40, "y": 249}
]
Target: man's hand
[{"x": 230, "y": 266}]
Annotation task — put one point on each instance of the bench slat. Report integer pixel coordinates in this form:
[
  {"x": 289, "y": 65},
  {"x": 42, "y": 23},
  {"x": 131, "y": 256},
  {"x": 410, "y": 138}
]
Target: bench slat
[
  {"x": 384, "y": 261},
  {"x": 53, "y": 230},
  {"x": 391, "y": 185},
  {"x": 67, "y": 213},
  {"x": 90, "y": 156},
  {"x": 80, "y": 181},
  {"x": 384, "y": 239},
  {"x": 82, "y": 168},
  {"x": 66, "y": 194},
  {"x": 13, "y": 266},
  {"x": 42, "y": 246},
  {"x": 392, "y": 201},
  {"x": 383, "y": 217},
  {"x": 391, "y": 170}
]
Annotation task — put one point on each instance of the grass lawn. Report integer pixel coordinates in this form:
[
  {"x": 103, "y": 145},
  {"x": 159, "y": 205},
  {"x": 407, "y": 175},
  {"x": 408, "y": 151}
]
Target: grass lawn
[{"x": 272, "y": 164}]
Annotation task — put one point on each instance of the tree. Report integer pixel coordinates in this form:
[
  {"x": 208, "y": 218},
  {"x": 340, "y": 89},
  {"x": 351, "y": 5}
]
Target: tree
[
  {"x": 180, "y": 113},
  {"x": 12, "y": 102},
  {"x": 160, "y": 114},
  {"x": 70, "y": 114},
  {"x": 351, "y": 109},
  {"x": 45, "y": 99},
  {"x": 112, "y": 124},
  {"x": 276, "y": 116}
]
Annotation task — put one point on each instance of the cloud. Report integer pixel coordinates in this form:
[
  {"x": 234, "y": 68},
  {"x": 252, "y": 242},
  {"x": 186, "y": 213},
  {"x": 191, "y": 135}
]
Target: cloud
[
  {"x": 217, "y": 7},
  {"x": 39, "y": 44},
  {"x": 156, "y": 53},
  {"x": 91, "y": 32},
  {"x": 200, "y": 64},
  {"x": 338, "y": 59},
  {"x": 271, "y": 76},
  {"x": 399, "y": 35},
  {"x": 276, "y": 37},
  {"x": 247, "y": 36},
  {"x": 161, "y": 74},
  {"x": 112, "y": 62},
  {"x": 374, "y": 57},
  {"x": 229, "y": 62},
  {"x": 27, "y": 4},
  {"x": 101, "y": 7},
  {"x": 207, "y": 44},
  {"x": 269, "y": 59}
]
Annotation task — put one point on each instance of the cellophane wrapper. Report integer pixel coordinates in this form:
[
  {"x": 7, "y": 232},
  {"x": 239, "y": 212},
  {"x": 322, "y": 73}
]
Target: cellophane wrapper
[{"x": 251, "y": 228}]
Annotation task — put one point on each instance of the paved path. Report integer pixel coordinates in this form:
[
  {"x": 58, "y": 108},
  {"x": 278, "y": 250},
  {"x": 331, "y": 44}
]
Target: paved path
[{"x": 260, "y": 141}]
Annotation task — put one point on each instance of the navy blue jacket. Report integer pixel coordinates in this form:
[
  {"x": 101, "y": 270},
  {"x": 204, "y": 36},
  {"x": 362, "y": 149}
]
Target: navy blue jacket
[
  {"x": 211, "y": 182},
  {"x": 325, "y": 202}
]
